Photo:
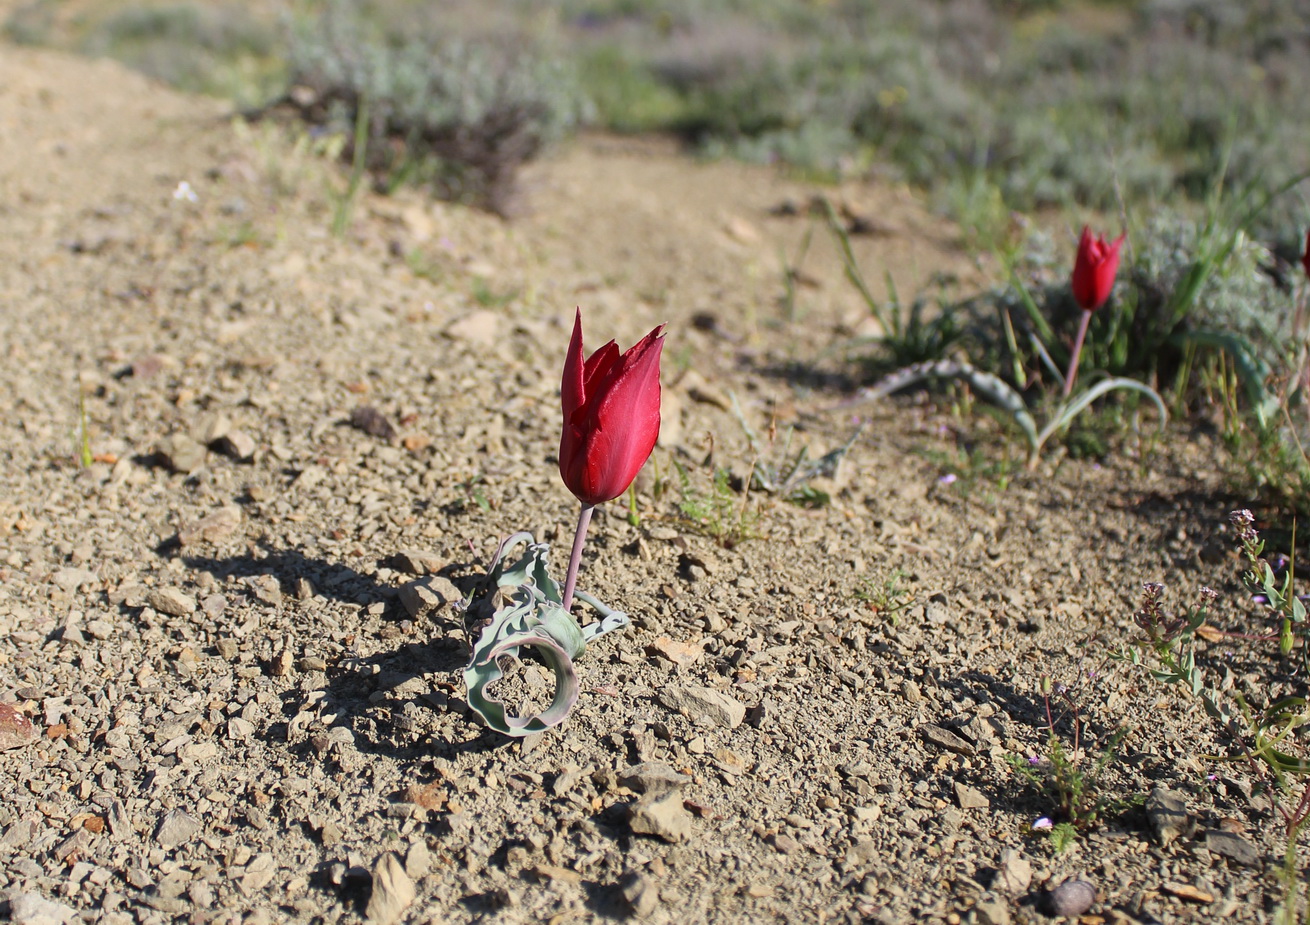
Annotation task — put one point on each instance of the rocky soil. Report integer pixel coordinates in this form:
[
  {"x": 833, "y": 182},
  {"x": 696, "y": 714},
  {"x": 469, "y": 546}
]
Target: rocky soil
[{"x": 222, "y": 699}]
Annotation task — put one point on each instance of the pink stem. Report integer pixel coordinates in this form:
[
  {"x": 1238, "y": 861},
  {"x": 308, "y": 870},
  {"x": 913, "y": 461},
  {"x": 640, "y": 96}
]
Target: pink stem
[
  {"x": 1077, "y": 351},
  {"x": 575, "y": 559}
]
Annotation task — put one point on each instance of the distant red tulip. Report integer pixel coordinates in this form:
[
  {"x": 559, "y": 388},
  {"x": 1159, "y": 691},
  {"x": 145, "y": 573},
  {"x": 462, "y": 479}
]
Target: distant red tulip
[
  {"x": 1305, "y": 255},
  {"x": 1094, "y": 270},
  {"x": 611, "y": 404}
]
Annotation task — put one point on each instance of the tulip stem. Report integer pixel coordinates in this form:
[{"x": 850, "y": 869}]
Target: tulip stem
[
  {"x": 575, "y": 558},
  {"x": 1077, "y": 352}
]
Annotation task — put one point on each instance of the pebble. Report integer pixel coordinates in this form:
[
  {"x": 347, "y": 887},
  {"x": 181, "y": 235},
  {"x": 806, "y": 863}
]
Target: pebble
[
  {"x": 1072, "y": 897},
  {"x": 653, "y": 777},
  {"x": 171, "y": 601},
  {"x": 211, "y": 528},
  {"x": 181, "y": 453},
  {"x": 176, "y": 828},
  {"x": 210, "y": 428},
  {"x": 661, "y": 815},
  {"x": 991, "y": 912},
  {"x": 35, "y": 909},
  {"x": 16, "y": 730},
  {"x": 969, "y": 798},
  {"x": 944, "y": 738},
  {"x": 481, "y": 327},
  {"x": 640, "y": 893},
  {"x": 239, "y": 445},
  {"x": 393, "y": 891},
  {"x": 418, "y": 562},
  {"x": 428, "y": 595},
  {"x": 1014, "y": 874},
  {"x": 418, "y": 860},
  {"x": 1232, "y": 846},
  {"x": 695, "y": 702},
  {"x": 1167, "y": 812}
]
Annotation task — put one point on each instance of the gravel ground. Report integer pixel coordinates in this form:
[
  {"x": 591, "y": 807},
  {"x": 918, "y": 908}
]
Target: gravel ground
[{"x": 220, "y": 702}]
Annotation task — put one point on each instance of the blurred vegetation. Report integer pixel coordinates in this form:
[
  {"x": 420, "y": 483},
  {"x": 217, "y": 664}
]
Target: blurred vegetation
[{"x": 994, "y": 105}]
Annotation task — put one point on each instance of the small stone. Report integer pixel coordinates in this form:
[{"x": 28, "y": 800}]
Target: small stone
[
  {"x": 1232, "y": 846},
  {"x": 227, "y": 648},
  {"x": 418, "y": 860},
  {"x": 1167, "y": 813},
  {"x": 265, "y": 587},
  {"x": 211, "y": 528},
  {"x": 35, "y": 909},
  {"x": 481, "y": 328},
  {"x": 969, "y": 798},
  {"x": 1072, "y": 897},
  {"x": 944, "y": 738},
  {"x": 661, "y": 815},
  {"x": 428, "y": 595},
  {"x": 372, "y": 422},
  {"x": 201, "y": 893},
  {"x": 695, "y": 702},
  {"x": 239, "y": 445},
  {"x": 16, "y": 730},
  {"x": 653, "y": 777},
  {"x": 1015, "y": 873},
  {"x": 259, "y": 873},
  {"x": 861, "y": 854},
  {"x": 281, "y": 664},
  {"x": 176, "y": 828},
  {"x": 992, "y": 912},
  {"x": 99, "y": 629},
  {"x": 640, "y": 893},
  {"x": 680, "y": 653},
  {"x": 210, "y": 428},
  {"x": 171, "y": 601},
  {"x": 393, "y": 891},
  {"x": 1188, "y": 892},
  {"x": 181, "y": 453},
  {"x": 70, "y": 578},
  {"x": 418, "y": 562},
  {"x": 784, "y": 844},
  {"x": 303, "y": 589},
  {"x": 910, "y": 692}
]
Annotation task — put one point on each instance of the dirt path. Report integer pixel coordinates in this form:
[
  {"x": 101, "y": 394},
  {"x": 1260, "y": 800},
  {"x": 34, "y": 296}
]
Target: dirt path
[{"x": 237, "y": 717}]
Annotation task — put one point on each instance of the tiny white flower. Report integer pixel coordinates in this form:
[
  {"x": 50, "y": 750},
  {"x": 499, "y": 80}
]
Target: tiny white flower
[{"x": 184, "y": 193}]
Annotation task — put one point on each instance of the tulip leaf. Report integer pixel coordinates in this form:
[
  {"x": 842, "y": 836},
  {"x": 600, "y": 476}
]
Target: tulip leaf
[{"x": 519, "y": 605}]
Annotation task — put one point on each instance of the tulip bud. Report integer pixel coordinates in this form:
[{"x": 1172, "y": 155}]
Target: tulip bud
[
  {"x": 1094, "y": 269},
  {"x": 611, "y": 405}
]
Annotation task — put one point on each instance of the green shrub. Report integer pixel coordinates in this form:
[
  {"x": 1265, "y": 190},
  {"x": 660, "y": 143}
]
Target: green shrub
[{"x": 465, "y": 114}]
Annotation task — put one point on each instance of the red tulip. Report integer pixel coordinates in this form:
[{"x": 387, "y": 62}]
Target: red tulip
[
  {"x": 611, "y": 407},
  {"x": 1094, "y": 270},
  {"x": 1305, "y": 256}
]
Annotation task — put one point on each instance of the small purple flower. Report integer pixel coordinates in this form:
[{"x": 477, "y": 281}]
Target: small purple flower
[
  {"x": 948, "y": 479},
  {"x": 1043, "y": 824},
  {"x": 1034, "y": 761}
]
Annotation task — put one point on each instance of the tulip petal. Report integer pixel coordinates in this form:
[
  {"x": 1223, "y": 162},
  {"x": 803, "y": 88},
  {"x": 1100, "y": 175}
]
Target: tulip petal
[{"x": 572, "y": 386}]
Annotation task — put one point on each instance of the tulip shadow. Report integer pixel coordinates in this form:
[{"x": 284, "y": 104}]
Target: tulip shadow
[{"x": 403, "y": 699}]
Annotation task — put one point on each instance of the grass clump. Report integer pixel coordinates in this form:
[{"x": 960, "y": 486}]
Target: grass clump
[{"x": 460, "y": 114}]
